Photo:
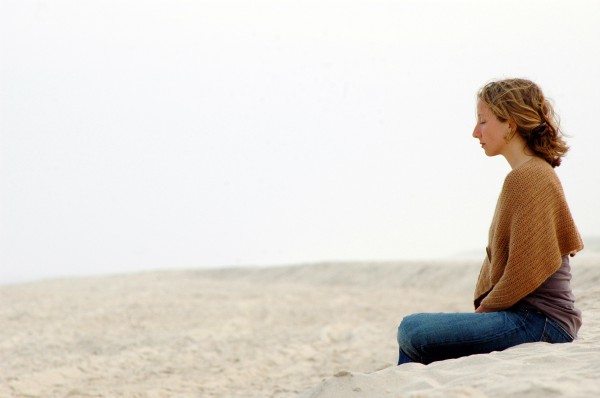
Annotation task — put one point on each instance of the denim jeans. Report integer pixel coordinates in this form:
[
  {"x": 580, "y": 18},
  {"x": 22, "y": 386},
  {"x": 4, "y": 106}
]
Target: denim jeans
[{"x": 427, "y": 338}]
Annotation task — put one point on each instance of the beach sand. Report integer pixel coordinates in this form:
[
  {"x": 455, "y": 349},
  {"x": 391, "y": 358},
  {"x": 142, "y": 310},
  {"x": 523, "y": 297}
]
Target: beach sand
[{"x": 323, "y": 330}]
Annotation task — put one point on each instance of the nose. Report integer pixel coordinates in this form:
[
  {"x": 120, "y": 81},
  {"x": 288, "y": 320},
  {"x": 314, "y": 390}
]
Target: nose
[{"x": 476, "y": 133}]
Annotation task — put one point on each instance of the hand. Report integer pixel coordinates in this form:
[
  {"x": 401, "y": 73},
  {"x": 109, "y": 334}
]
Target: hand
[{"x": 481, "y": 309}]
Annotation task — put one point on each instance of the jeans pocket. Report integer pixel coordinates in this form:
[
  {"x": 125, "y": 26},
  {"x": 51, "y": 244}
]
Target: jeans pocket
[{"x": 554, "y": 333}]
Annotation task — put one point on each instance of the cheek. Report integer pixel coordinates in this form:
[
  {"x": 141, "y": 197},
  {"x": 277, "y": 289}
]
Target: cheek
[{"x": 489, "y": 133}]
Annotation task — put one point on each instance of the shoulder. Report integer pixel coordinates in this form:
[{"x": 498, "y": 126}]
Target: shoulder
[
  {"x": 534, "y": 172},
  {"x": 533, "y": 178}
]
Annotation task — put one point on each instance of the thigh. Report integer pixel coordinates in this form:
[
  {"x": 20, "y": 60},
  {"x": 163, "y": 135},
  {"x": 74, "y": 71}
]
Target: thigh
[{"x": 432, "y": 337}]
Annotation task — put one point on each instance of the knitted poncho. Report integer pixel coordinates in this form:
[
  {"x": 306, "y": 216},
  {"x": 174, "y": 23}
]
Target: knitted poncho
[{"x": 531, "y": 230}]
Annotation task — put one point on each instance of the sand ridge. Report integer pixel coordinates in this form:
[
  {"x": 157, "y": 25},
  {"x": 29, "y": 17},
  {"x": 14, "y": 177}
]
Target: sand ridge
[{"x": 320, "y": 330}]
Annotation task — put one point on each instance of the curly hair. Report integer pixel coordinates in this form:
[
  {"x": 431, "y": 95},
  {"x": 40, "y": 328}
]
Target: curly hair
[{"x": 523, "y": 102}]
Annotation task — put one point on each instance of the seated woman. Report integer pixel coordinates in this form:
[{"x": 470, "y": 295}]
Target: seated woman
[{"x": 523, "y": 292}]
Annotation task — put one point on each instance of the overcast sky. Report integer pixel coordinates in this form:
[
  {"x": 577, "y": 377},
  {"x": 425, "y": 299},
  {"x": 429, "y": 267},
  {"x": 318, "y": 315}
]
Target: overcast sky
[{"x": 138, "y": 135}]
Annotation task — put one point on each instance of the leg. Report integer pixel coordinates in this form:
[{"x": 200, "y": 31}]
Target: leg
[
  {"x": 426, "y": 338},
  {"x": 403, "y": 358}
]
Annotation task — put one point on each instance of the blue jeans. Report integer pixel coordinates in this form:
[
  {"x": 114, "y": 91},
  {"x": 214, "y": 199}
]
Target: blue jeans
[{"x": 427, "y": 338}]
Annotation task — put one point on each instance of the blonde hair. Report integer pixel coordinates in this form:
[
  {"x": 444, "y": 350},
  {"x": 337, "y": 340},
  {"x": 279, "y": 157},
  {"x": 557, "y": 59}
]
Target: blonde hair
[{"x": 523, "y": 102}]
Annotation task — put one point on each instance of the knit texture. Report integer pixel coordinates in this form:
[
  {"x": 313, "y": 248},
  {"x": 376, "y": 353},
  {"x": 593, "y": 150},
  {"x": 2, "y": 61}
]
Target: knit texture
[{"x": 531, "y": 230}]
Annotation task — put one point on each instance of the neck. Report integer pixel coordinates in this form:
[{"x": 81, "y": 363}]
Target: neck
[{"x": 517, "y": 152}]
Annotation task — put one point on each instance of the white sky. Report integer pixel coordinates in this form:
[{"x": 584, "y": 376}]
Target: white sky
[{"x": 142, "y": 135}]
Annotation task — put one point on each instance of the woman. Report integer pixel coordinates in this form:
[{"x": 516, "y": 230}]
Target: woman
[{"x": 523, "y": 292}]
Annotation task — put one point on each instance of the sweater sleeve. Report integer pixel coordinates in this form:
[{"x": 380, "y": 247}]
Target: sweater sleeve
[{"x": 533, "y": 250}]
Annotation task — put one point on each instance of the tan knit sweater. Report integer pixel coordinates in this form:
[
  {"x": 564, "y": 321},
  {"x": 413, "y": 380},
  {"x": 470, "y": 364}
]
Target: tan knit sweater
[{"x": 532, "y": 228}]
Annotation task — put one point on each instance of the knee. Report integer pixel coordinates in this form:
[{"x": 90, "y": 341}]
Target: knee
[{"x": 408, "y": 333}]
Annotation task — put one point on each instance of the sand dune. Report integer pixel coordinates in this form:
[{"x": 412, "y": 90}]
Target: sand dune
[{"x": 322, "y": 330}]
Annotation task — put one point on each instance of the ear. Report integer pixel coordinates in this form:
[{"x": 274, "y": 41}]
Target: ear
[{"x": 512, "y": 125}]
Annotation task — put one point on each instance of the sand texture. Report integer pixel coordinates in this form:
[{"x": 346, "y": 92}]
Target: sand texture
[{"x": 323, "y": 330}]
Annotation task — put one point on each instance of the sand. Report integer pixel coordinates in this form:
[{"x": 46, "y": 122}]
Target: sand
[{"x": 323, "y": 330}]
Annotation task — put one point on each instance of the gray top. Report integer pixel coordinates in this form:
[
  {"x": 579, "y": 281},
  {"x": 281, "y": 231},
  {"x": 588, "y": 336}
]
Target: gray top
[{"x": 555, "y": 299}]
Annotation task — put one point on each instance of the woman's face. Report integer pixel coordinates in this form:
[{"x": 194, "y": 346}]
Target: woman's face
[{"x": 490, "y": 131}]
